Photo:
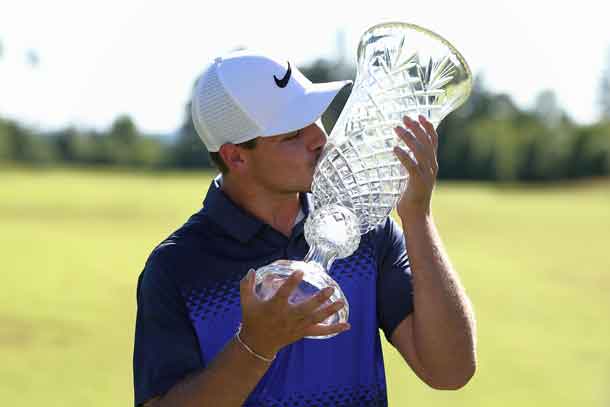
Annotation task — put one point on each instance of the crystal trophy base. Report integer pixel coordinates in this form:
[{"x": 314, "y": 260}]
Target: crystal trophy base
[
  {"x": 332, "y": 232},
  {"x": 271, "y": 277}
]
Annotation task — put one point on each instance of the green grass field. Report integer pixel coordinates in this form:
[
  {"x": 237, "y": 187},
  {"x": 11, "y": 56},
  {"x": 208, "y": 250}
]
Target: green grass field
[{"x": 535, "y": 261}]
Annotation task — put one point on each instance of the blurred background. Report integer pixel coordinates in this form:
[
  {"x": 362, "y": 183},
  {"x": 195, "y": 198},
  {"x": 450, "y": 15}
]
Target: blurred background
[{"x": 99, "y": 162}]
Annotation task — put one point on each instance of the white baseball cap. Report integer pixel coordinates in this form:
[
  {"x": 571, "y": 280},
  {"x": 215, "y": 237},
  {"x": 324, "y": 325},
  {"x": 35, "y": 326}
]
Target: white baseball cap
[{"x": 245, "y": 94}]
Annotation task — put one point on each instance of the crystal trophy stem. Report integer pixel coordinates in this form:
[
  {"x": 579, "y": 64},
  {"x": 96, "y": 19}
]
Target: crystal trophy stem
[{"x": 323, "y": 258}]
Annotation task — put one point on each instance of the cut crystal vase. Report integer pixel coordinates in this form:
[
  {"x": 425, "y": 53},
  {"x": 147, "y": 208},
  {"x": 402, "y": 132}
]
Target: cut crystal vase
[{"x": 403, "y": 70}]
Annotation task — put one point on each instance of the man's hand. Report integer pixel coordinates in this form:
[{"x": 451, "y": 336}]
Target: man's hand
[
  {"x": 268, "y": 326},
  {"x": 422, "y": 140}
]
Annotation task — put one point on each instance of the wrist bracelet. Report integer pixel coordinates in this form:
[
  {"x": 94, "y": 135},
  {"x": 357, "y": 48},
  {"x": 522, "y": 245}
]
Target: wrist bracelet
[{"x": 249, "y": 349}]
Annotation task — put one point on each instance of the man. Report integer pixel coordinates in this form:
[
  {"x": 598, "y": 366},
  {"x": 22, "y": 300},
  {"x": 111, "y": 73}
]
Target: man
[{"x": 203, "y": 337}]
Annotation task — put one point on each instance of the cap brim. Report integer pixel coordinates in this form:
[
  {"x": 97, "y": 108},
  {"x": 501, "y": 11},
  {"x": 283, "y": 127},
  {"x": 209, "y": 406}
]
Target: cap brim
[{"x": 305, "y": 109}]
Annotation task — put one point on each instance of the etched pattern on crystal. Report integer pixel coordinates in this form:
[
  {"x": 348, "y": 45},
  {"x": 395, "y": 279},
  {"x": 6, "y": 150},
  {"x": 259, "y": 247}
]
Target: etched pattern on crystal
[
  {"x": 334, "y": 229},
  {"x": 403, "y": 70}
]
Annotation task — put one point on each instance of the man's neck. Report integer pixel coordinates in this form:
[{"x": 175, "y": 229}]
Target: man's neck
[{"x": 278, "y": 210}]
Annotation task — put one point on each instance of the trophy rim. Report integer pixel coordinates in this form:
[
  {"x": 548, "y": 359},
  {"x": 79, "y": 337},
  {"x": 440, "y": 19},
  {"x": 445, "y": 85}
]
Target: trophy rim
[{"x": 425, "y": 31}]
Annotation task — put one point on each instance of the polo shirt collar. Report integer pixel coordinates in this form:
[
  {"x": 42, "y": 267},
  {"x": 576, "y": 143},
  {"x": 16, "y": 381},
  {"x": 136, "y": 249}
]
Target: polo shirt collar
[
  {"x": 306, "y": 206},
  {"x": 236, "y": 221}
]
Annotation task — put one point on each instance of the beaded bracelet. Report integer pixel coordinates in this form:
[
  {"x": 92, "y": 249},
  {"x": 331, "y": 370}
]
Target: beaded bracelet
[{"x": 249, "y": 349}]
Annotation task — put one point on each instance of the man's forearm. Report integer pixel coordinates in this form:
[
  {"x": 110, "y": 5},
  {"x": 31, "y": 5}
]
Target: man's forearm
[
  {"x": 226, "y": 382},
  {"x": 443, "y": 319}
]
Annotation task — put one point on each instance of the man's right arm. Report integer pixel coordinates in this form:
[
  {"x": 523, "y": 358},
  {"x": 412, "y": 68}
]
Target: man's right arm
[
  {"x": 227, "y": 381},
  {"x": 267, "y": 327}
]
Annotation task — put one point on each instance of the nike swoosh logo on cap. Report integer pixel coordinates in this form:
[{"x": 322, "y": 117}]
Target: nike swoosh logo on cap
[{"x": 284, "y": 81}]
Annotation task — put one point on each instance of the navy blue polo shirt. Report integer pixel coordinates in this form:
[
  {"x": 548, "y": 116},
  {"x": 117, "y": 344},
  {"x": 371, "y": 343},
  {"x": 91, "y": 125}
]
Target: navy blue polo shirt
[{"x": 189, "y": 308}]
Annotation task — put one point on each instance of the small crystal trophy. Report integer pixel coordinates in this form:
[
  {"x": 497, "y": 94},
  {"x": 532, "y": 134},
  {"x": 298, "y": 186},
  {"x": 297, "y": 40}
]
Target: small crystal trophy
[
  {"x": 332, "y": 232},
  {"x": 403, "y": 70}
]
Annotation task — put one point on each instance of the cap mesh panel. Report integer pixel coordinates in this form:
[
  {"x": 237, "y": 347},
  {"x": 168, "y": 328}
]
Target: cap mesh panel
[{"x": 218, "y": 116}]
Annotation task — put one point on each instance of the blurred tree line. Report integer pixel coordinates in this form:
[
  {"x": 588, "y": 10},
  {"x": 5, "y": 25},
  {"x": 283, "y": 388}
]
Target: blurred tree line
[{"x": 489, "y": 138}]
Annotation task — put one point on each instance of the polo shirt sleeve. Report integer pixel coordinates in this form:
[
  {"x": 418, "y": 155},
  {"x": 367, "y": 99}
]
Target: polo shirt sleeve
[
  {"x": 166, "y": 347},
  {"x": 394, "y": 289}
]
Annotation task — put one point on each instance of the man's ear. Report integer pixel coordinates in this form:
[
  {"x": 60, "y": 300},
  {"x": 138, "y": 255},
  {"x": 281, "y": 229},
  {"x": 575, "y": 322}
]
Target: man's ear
[{"x": 233, "y": 157}]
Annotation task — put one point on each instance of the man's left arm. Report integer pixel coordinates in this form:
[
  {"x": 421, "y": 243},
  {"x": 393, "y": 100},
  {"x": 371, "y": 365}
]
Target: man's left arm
[{"x": 438, "y": 339}]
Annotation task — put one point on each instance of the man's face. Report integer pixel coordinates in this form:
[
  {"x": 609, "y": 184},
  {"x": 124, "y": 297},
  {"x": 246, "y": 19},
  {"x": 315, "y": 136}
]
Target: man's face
[{"x": 285, "y": 163}]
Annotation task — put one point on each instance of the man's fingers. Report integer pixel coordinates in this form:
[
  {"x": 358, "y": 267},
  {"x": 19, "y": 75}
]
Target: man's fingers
[
  {"x": 323, "y": 330},
  {"x": 423, "y": 136},
  {"x": 421, "y": 139},
  {"x": 407, "y": 161},
  {"x": 418, "y": 131},
  {"x": 316, "y": 301},
  {"x": 246, "y": 287},
  {"x": 292, "y": 282},
  {"x": 413, "y": 144},
  {"x": 323, "y": 313},
  {"x": 429, "y": 127},
  {"x": 433, "y": 135}
]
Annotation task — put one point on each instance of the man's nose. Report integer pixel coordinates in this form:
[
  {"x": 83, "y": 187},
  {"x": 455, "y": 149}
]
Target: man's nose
[{"x": 316, "y": 136}]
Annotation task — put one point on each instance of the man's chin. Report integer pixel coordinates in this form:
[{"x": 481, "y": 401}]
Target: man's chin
[
  {"x": 304, "y": 187},
  {"x": 308, "y": 189}
]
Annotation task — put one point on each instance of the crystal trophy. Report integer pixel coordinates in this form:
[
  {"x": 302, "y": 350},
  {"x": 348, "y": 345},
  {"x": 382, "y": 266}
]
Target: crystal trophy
[{"x": 403, "y": 70}]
